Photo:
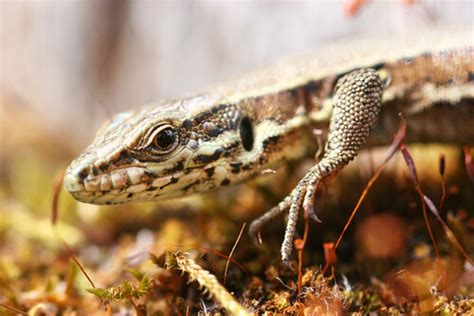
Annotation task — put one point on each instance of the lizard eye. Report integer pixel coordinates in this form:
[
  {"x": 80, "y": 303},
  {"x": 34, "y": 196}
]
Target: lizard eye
[{"x": 164, "y": 138}]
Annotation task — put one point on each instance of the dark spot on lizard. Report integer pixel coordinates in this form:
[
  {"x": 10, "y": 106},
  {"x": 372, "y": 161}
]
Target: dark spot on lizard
[
  {"x": 209, "y": 158},
  {"x": 94, "y": 170},
  {"x": 293, "y": 93},
  {"x": 426, "y": 55},
  {"x": 189, "y": 186},
  {"x": 246, "y": 134},
  {"x": 210, "y": 171},
  {"x": 271, "y": 141},
  {"x": 125, "y": 158},
  {"x": 225, "y": 182},
  {"x": 187, "y": 124},
  {"x": 229, "y": 149},
  {"x": 378, "y": 66},
  {"x": 129, "y": 195},
  {"x": 173, "y": 180},
  {"x": 235, "y": 166},
  {"x": 103, "y": 167},
  {"x": 216, "y": 109},
  {"x": 215, "y": 132},
  {"x": 179, "y": 166},
  {"x": 313, "y": 86},
  {"x": 83, "y": 174},
  {"x": 314, "y": 91},
  {"x": 247, "y": 167}
]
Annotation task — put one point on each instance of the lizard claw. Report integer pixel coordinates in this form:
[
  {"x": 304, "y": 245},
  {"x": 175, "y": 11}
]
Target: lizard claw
[
  {"x": 302, "y": 198},
  {"x": 308, "y": 203},
  {"x": 311, "y": 214}
]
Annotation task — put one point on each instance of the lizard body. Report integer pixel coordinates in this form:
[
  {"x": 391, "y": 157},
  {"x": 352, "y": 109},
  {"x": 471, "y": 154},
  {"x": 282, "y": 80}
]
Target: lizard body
[{"x": 236, "y": 130}]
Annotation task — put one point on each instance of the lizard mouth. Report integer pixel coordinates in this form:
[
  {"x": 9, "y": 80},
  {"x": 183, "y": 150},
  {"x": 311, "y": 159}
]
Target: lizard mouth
[
  {"x": 118, "y": 186},
  {"x": 83, "y": 178}
]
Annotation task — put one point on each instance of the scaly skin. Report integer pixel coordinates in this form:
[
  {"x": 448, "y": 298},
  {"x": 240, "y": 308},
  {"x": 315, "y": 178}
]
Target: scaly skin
[{"x": 236, "y": 130}]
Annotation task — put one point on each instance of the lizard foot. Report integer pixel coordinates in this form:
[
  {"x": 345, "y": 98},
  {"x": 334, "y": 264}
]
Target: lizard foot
[
  {"x": 357, "y": 102},
  {"x": 302, "y": 197}
]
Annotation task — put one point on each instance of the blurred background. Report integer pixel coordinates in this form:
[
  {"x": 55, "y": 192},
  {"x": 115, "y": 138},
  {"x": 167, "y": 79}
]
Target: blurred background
[{"x": 66, "y": 66}]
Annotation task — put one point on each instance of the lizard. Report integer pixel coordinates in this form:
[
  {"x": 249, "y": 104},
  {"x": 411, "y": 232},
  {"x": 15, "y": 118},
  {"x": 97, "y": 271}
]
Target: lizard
[{"x": 351, "y": 90}]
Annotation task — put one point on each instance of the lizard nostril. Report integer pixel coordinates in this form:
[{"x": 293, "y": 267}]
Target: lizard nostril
[
  {"x": 74, "y": 178},
  {"x": 81, "y": 177},
  {"x": 81, "y": 173}
]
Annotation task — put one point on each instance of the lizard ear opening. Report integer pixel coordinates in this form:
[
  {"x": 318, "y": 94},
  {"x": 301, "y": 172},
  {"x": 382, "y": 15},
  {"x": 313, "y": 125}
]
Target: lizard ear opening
[{"x": 246, "y": 133}]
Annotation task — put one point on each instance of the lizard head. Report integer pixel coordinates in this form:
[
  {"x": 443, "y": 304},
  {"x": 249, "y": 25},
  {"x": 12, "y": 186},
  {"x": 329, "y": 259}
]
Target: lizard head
[{"x": 168, "y": 150}]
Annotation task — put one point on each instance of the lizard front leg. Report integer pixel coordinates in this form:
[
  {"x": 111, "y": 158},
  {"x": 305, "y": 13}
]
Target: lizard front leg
[{"x": 356, "y": 104}]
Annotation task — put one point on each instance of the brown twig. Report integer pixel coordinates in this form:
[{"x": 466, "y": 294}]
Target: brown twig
[
  {"x": 232, "y": 252},
  {"x": 13, "y": 309},
  {"x": 73, "y": 257},
  {"x": 414, "y": 177},
  {"x": 442, "y": 169},
  {"x": 221, "y": 255},
  {"x": 58, "y": 183},
  {"x": 299, "y": 246},
  {"x": 469, "y": 162},
  {"x": 54, "y": 216}
]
